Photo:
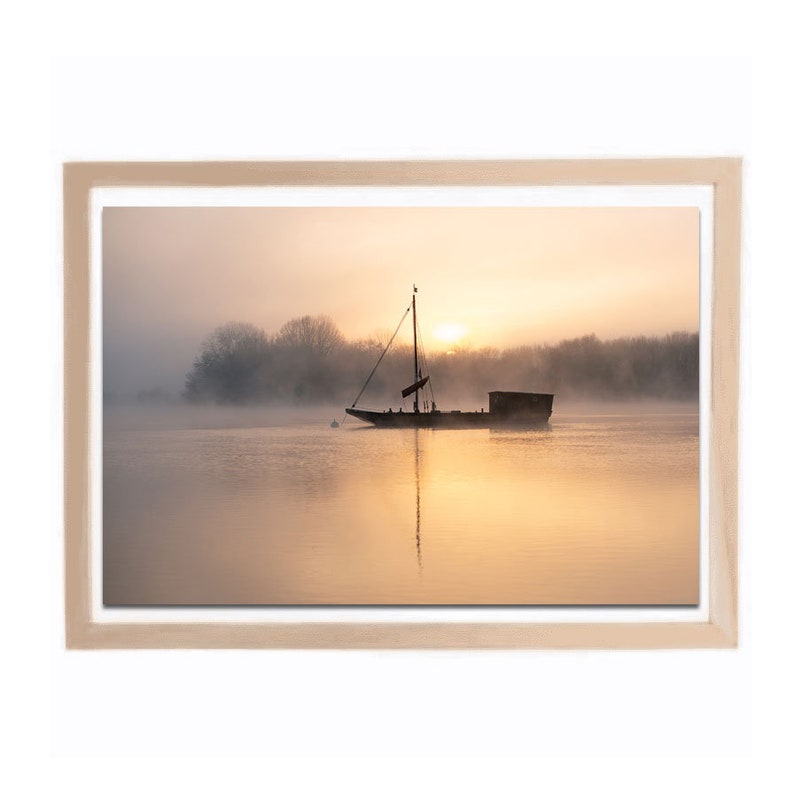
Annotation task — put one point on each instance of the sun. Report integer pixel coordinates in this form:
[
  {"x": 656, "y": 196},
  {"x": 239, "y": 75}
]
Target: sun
[{"x": 450, "y": 333}]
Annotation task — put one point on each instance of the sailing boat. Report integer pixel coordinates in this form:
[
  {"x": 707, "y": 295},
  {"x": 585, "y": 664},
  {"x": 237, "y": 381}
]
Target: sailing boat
[{"x": 504, "y": 407}]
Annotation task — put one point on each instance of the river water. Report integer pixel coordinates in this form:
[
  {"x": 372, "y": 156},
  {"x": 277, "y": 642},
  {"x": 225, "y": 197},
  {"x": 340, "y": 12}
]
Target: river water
[{"x": 600, "y": 508}]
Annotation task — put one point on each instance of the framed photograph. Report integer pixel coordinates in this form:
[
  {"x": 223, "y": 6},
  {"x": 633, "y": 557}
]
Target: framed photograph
[{"x": 464, "y": 404}]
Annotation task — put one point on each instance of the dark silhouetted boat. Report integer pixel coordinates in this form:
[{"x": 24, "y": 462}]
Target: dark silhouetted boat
[{"x": 505, "y": 408}]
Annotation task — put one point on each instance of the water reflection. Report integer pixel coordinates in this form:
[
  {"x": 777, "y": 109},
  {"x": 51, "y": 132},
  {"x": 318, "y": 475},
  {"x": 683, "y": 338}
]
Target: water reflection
[{"x": 599, "y": 511}]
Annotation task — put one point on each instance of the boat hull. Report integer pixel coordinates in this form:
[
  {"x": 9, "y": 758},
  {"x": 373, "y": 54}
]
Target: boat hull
[
  {"x": 507, "y": 409},
  {"x": 428, "y": 419}
]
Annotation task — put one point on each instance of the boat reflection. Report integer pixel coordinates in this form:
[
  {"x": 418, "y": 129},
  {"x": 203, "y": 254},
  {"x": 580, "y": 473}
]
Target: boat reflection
[{"x": 519, "y": 432}]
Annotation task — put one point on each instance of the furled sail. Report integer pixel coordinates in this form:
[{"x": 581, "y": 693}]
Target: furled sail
[{"x": 415, "y": 386}]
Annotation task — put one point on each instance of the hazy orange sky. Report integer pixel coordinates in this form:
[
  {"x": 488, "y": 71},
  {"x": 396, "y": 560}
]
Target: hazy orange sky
[{"x": 502, "y": 276}]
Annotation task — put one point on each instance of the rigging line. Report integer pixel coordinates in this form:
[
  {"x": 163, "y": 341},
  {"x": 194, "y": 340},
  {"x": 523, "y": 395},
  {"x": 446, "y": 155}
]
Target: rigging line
[{"x": 385, "y": 350}]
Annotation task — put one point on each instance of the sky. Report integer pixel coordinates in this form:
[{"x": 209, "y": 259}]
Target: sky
[{"x": 487, "y": 276}]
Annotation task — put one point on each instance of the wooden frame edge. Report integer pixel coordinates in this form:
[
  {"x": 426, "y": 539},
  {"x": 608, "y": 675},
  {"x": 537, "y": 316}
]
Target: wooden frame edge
[
  {"x": 720, "y": 631},
  {"x": 76, "y": 270},
  {"x": 390, "y": 636}
]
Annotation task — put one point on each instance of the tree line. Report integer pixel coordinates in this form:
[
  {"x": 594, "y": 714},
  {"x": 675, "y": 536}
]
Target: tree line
[{"x": 309, "y": 361}]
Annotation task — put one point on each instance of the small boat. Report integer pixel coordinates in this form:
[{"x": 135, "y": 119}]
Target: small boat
[{"x": 505, "y": 408}]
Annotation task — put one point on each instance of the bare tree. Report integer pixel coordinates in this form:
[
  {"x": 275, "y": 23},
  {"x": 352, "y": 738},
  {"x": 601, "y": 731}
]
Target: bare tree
[
  {"x": 317, "y": 334},
  {"x": 230, "y": 365}
]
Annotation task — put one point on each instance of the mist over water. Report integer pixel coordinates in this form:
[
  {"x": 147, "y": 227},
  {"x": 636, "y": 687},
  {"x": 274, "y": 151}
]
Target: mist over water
[{"x": 184, "y": 416}]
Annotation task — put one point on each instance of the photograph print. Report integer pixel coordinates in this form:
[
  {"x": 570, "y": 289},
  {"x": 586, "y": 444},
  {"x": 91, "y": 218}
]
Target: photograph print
[{"x": 400, "y": 406}]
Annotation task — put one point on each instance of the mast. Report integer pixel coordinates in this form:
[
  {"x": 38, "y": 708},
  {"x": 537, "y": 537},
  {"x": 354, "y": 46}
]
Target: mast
[{"x": 416, "y": 355}]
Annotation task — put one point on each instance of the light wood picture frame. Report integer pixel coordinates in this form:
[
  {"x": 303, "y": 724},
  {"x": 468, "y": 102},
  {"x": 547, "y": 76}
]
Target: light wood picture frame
[{"x": 718, "y": 630}]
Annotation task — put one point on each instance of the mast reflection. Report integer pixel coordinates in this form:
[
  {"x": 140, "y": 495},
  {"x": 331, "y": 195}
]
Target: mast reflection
[{"x": 418, "y": 503}]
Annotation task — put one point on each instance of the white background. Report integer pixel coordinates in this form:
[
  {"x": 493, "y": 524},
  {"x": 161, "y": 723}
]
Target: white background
[{"x": 167, "y": 721}]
